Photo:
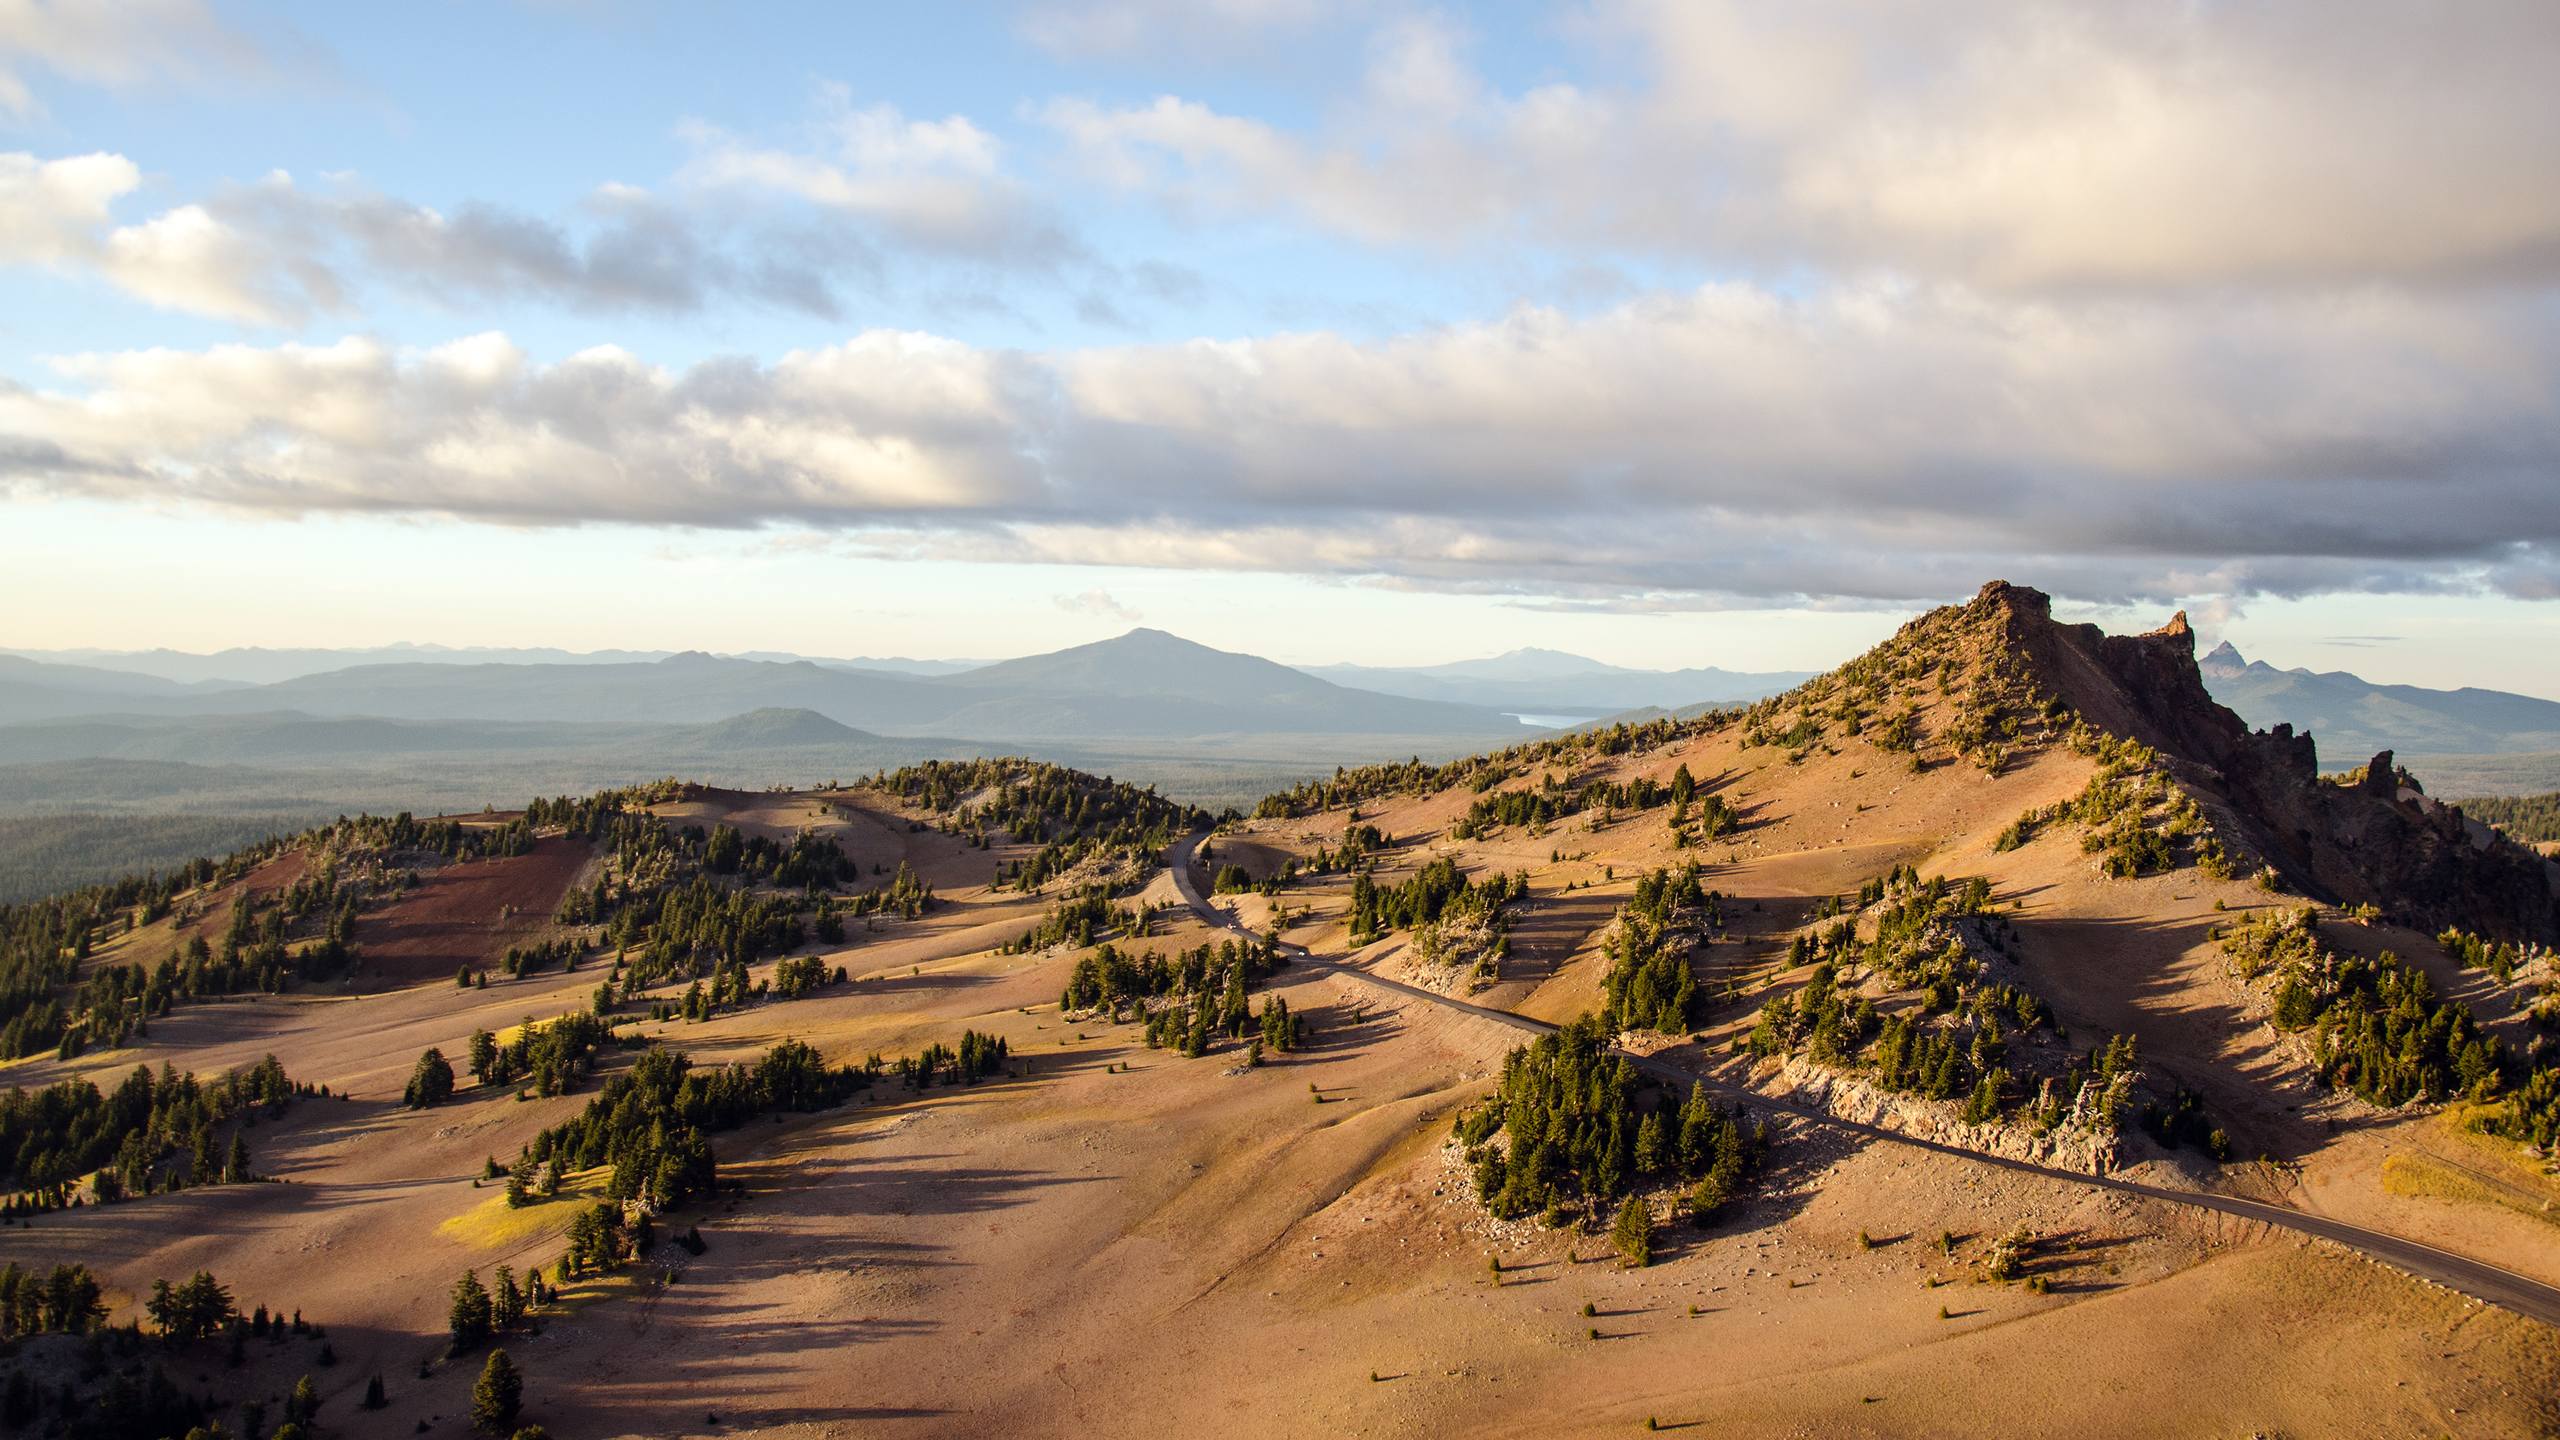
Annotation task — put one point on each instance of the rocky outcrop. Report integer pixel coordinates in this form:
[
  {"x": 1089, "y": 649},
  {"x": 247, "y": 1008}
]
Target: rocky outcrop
[
  {"x": 1851, "y": 1097},
  {"x": 2371, "y": 842}
]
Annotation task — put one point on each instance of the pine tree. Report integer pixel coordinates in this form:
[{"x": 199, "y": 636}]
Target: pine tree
[
  {"x": 430, "y": 1083},
  {"x": 235, "y": 1170},
  {"x": 497, "y": 1396},
  {"x": 1633, "y": 1233},
  {"x": 469, "y": 1317},
  {"x": 506, "y": 1301},
  {"x": 374, "y": 1399},
  {"x": 303, "y": 1403}
]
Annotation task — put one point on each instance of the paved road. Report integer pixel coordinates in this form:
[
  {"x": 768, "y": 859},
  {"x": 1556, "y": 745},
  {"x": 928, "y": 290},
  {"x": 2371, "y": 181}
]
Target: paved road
[{"x": 2478, "y": 1279}]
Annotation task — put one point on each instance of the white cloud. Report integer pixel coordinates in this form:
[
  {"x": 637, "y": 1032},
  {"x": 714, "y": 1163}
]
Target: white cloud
[
  {"x": 888, "y": 424},
  {"x": 935, "y": 185},
  {"x": 186, "y": 259},
  {"x": 120, "y": 44},
  {"x": 51, "y": 209},
  {"x": 58, "y": 214},
  {"x": 1875, "y": 441},
  {"x": 1099, "y": 603},
  {"x": 2094, "y": 145}
]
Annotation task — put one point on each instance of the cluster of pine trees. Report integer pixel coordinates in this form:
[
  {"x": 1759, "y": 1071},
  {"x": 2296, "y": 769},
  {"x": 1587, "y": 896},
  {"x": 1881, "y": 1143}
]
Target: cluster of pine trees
[
  {"x": 1550, "y": 801},
  {"x": 1580, "y": 1133},
  {"x": 904, "y": 897},
  {"x": 64, "y": 1300},
  {"x": 152, "y": 1133},
  {"x": 2378, "y": 1028},
  {"x": 1078, "y": 920},
  {"x": 116, "y": 1389},
  {"x": 1190, "y": 998},
  {"x": 1949, "y": 1032},
  {"x": 652, "y": 1122},
  {"x": 1649, "y": 985},
  {"x": 479, "y": 1313},
  {"x": 2502, "y": 958},
  {"x": 1073, "y": 817},
  {"x": 1115, "y": 982},
  {"x": 688, "y": 927},
  {"x": 553, "y": 1056},
  {"x": 1430, "y": 894}
]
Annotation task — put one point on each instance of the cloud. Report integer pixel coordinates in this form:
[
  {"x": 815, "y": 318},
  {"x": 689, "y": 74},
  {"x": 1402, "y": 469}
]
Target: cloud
[
  {"x": 935, "y": 186},
  {"x": 119, "y": 44},
  {"x": 2089, "y": 146},
  {"x": 51, "y": 209},
  {"x": 275, "y": 253},
  {"x": 1100, "y": 603},
  {"x": 58, "y": 215},
  {"x": 1869, "y": 441},
  {"x": 885, "y": 202}
]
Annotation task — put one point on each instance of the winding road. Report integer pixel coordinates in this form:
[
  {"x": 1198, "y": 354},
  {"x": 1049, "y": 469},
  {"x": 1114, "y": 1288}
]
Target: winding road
[{"x": 2478, "y": 1279}]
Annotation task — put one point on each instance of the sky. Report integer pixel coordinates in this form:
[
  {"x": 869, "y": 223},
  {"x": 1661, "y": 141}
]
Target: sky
[{"x": 1670, "y": 333}]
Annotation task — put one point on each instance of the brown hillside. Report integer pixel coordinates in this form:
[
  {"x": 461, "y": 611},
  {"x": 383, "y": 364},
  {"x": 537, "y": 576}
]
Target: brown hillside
[
  {"x": 2378, "y": 842},
  {"x": 1302, "y": 1240}
]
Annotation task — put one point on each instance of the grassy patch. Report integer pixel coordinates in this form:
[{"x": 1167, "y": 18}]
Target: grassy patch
[
  {"x": 2418, "y": 1175},
  {"x": 494, "y": 1225}
]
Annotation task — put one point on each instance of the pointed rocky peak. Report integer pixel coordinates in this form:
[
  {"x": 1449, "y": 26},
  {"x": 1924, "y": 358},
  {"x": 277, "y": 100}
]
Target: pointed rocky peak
[
  {"x": 2021, "y": 600},
  {"x": 2223, "y": 659}
]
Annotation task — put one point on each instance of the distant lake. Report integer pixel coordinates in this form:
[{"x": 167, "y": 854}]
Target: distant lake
[{"x": 1554, "y": 722}]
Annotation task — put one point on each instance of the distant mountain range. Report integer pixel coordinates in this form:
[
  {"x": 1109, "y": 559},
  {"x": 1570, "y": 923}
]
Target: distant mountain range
[
  {"x": 1554, "y": 683},
  {"x": 2350, "y": 718},
  {"x": 1143, "y": 690},
  {"x": 1145, "y": 684},
  {"x": 257, "y": 665}
]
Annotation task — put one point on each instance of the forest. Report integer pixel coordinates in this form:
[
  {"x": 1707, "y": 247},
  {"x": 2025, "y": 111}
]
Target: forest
[
  {"x": 2533, "y": 819},
  {"x": 152, "y": 1133}
]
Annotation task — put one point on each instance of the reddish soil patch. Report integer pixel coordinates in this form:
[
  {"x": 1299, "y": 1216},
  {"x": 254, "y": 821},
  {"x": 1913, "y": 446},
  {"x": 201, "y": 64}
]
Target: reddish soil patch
[
  {"x": 468, "y": 914},
  {"x": 213, "y": 910}
]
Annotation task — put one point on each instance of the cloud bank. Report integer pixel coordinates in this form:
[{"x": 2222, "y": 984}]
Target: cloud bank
[
  {"x": 1877, "y": 441},
  {"x": 2138, "y": 300}
]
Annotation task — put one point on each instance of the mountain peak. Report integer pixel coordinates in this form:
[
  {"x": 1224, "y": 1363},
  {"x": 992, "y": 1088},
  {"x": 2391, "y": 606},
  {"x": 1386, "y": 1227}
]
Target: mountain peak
[
  {"x": 2017, "y": 599},
  {"x": 2222, "y": 657}
]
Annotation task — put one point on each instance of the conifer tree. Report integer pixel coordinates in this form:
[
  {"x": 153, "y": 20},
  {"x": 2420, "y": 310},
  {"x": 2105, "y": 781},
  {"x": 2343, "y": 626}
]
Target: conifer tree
[
  {"x": 498, "y": 1396},
  {"x": 430, "y": 1083},
  {"x": 1633, "y": 1232},
  {"x": 469, "y": 1317}
]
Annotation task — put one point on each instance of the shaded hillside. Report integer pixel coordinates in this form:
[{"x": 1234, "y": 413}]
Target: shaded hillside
[
  {"x": 2374, "y": 841},
  {"x": 2354, "y": 717}
]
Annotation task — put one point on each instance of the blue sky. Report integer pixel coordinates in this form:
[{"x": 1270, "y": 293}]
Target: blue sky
[{"x": 1670, "y": 333}]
